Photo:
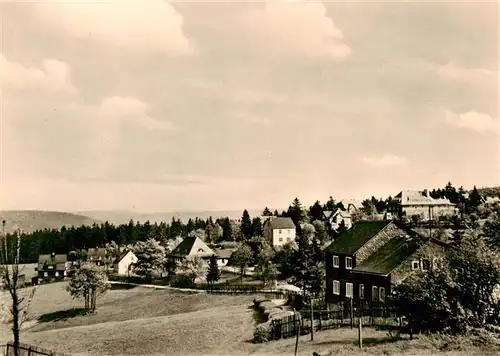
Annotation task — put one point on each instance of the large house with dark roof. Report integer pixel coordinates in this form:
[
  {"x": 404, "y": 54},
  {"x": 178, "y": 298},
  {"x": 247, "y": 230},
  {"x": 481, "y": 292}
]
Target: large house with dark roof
[
  {"x": 279, "y": 231},
  {"x": 52, "y": 266},
  {"x": 366, "y": 261}
]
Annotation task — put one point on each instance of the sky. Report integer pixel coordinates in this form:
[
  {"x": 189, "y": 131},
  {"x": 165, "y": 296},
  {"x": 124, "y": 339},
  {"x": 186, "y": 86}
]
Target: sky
[{"x": 158, "y": 106}]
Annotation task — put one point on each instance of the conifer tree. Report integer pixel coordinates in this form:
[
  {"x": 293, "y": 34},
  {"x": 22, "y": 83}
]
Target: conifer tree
[{"x": 213, "y": 274}]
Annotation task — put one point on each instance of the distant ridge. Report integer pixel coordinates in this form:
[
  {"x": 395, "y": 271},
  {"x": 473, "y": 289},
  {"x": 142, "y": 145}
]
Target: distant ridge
[
  {"x": 32, "y": 220},
  {"x": 122, "y": 217}
]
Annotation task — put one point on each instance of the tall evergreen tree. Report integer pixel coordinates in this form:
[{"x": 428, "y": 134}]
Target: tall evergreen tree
[
  {"x": 227, "y": 230},
  {"x": 257, "y": 227},
  {"x": 267, "y": 212},
  {"x": 213, "y": 273},
  {"x": 474, "y": 198},
  {"x": 330, "y": 205},
  {"x": 316, "y": 211},
  {"x": 246, "y": 225}
]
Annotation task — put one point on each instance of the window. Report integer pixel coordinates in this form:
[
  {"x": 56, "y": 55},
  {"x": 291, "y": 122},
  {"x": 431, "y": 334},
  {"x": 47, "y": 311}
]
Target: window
[
  {"x": 279, "y": 231},
  {"x": 426, "y": 265},
  {"x": 349, "y": 290},
  {"x": 281, "y": 239},
  {"x": 374, "y": 293},
  {"x": 288, "y": 238},
  {"x": 348, "y": 262},
  {"x": 336, "y": 287},
  {"x": 45, "y": 274},
  {"x": 415, "y": 265},
  {"x": 336, "y": 261},
  {"x": 361, "y": 291},
  {"x": 381, "y": 294}
]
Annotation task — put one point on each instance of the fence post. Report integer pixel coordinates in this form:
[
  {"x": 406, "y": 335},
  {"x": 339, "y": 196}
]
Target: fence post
[
  {"x": 352, "y": 313},
  {"x": 29, "y": 351},
  {"x": 312, "y": 320},
  {"x": 298, "y": 333},
  {"x": 360, "y": 334}
]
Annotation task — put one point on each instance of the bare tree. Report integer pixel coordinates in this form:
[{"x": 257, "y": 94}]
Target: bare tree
[{"x": 10, "y": 273}]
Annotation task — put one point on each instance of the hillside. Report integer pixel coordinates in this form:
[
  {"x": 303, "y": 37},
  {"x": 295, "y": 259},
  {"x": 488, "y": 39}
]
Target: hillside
[
  {"x": 122, "y": 217},
  {"x": 31, "y": 220}
]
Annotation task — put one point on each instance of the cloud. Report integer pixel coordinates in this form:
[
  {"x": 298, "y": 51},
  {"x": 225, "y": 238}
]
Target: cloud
[
  {"x": 455, "y": 72},
  {"x": 299, "y": 26},
  {"x": 473, "y": 120},
  {"x": 52, "y": 75},
  {"x": 150, "y": 25},
  {"x": 384, "y": 161},
  {"x": 128, "y": 108}
]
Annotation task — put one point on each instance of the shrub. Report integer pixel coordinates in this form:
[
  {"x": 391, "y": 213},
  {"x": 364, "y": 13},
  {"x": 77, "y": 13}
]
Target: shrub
[
  {"x": 262, "y": 333},
  {"x": 182, "y": 282}
]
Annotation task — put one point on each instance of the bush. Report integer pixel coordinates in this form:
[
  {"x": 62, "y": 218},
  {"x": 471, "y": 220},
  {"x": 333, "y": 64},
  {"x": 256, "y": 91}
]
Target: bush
[
  {"x": 183, "y": 282},
  {"x": 262, "y": 333}
]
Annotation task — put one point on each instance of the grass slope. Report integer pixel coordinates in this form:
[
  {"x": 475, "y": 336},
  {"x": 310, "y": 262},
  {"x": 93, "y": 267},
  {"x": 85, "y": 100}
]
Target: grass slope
[
  {"x": 31, "y": 220},
  {"x": 142, "y": 321}
]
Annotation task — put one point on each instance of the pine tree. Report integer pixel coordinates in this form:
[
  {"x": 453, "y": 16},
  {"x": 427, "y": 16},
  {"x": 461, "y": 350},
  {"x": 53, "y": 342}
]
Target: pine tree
[
  {"x": 213, "y": 274},
  {"x": 267, "y": 212},
  {"x": 246, "y": 225},
  {"x": 227, "y": 231},
  {"x": 474, "y": 198},
  {"x": 257, "y": 227},
  {"x": 316, "y": 211}
]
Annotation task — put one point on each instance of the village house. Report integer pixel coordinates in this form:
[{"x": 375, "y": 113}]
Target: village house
[
  {"x": 123, "y": 265},
  {"x": 367, "y": 261},
  {"x": 279, "y": 231},
  {"x": 98, "y": 256},
  {"x": 350, "y": 205},
  {"x": 412, "y": 202},
  {"x": 53, "y": 266},
  {"x": 194, "y": 246},
  {"x": 338, "y": 218}
]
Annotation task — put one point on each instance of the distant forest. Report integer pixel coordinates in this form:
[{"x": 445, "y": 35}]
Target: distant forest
[{"x": 68, "y": 239}]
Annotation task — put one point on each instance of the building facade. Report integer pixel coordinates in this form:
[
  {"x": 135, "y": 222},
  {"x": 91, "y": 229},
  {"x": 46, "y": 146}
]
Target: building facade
[
  {"x": 53, "y": 266},
  {"x": 418, "y": 203},
  {"x": 367, "y": 261},
  {"x": 279, "y": 231}
]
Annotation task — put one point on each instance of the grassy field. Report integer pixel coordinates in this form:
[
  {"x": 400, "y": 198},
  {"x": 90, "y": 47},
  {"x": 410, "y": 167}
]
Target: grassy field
[{"x": 140, "y": 321}]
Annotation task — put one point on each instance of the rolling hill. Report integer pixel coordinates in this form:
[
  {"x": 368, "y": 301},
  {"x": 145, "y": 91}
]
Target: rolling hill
[
  {"x": 31, "y": 220},
  {"x": 122, "y": 217}
]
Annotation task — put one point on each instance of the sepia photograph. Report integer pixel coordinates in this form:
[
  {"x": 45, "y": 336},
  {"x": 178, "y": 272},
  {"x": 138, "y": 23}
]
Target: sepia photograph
[{"x": 249, "y": 177}]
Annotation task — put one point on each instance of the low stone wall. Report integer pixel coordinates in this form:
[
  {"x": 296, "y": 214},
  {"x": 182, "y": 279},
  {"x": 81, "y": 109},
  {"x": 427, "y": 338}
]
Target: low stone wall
[{"x": 269, "y": 311}]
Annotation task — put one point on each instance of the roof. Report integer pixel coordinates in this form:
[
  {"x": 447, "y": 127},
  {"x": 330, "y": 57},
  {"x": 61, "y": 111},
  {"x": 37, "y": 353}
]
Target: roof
[
  {"x": 192, "y": 245},
  {"x": 390, "y": 255},
  {"x": 416, "y": 197},
  {"x": 342, "y": 213},
  {"x": 358, "y": 204},
  {"x": 49, "y": 260},
  {"x": 121, "y": 255},
  {"x": 353, "y": 239},
  {"x": 281, "y": 223}
]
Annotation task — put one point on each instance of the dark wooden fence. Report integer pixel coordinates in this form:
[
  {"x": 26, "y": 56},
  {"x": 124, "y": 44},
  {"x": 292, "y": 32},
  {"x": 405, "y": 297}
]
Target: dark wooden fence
[
  {"x": 26, "y": 350},
  {"x": 370, "y": 315}
]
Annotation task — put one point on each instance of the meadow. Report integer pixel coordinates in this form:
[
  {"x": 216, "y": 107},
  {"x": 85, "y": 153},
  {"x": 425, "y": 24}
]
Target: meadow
[{"x": 142, "y": 321}]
